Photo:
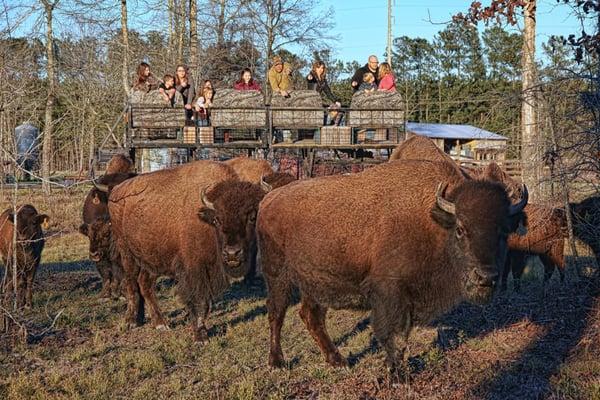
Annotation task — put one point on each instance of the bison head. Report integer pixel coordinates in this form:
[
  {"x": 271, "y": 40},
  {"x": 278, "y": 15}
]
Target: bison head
[
  {"x": 231, "y": 207},
  {"x": 478, "y": 217},
  {"x": 99, "y": 234},
  {"x": 29, "y": 223}
]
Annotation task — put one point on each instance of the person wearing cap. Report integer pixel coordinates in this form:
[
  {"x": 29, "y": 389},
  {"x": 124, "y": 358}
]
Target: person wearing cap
[{"x": 279, "y": 77}]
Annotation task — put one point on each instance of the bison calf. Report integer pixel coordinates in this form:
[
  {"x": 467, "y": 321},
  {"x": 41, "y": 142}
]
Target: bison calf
[{"x": 29, "y": 246}]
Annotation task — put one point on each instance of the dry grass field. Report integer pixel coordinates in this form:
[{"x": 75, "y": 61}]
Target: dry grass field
[{"x": 543, "y": 343}]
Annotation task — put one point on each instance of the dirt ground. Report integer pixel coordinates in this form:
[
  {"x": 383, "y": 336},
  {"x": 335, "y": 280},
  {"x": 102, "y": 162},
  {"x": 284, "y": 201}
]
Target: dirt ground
[{"x": 543, "y": 343}]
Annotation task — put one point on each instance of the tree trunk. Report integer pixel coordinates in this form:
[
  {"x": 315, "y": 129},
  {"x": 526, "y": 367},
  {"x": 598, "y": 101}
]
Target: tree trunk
[
  {"x": 221, "y": 25},
  {"x": 125, "y": 38},
  {"x": 171, "y": 38},
  {"x": 50, "y": 98},
  {"x": 530, "y": 144},
  {"x": 194, "y": 39},
  {"x": 181, "y": 12}
]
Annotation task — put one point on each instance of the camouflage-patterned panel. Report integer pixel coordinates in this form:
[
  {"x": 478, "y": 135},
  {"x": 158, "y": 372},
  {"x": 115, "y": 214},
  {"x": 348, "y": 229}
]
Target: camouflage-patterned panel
[
  {"x": 244, "y": 109},
  {"x": 367, "y": 109},
  {"x": 153, "y": 134},
  {"x": 150, "y": 111},
  {"x": 298, "y": 118}
]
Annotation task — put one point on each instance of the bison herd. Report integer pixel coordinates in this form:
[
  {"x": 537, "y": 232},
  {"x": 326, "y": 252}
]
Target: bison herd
[{"x": 407, "y": 240}]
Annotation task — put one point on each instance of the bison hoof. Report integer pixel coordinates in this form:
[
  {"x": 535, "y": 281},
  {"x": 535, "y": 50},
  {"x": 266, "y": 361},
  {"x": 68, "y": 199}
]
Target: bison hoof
[
  {"x": 129, "y": 325},
  {"x": 276, "y": 361},
  {"x": 162, "y": 327},
  {"x": 398, "y": 375},
  {"x": 201, "y": 336},
  {"x": 337, "y": 360}
]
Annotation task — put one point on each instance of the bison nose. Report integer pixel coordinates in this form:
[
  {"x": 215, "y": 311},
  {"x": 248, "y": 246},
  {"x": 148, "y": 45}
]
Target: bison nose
[
  {"x": 95, "y": 256},
  {"x": 486, "y": 276},
  {"x": 233, "y": 253}
]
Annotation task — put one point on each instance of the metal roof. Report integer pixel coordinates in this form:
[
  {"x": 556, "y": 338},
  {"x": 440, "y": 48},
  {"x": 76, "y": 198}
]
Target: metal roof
[{"x": 451, "y": 131}]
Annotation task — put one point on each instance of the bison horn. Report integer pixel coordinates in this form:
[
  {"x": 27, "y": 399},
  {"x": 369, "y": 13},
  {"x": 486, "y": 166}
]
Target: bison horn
[
  {"x": 204, "y": 200},
  {"x": 264, "y": 185},
  {"x": 518, "y": 207},
  {"x": 100, "y": 186},
  {"x": 442, "y": 203}
]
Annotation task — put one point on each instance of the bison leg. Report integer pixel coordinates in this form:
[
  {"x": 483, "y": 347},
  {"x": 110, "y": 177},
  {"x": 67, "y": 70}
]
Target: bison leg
[
  {"x": 392, "y": 319},
  {"x": 116, "y": 283},
  {"x": 29, "y": 285},
  {"x": 517, "y": 263},
  {"x": 251, "y": 275},
  {"x": 146, "y": 282},
  {"x": 548, "y": 267},
  {"x": 199, "y": 315},
  {"x": 104, "y": 270},
  {"x": 135, "y": 301},
  {"x": 278, "y": 301},
  {"x": 505, "y": 272},
  {"x": 557, "y": 258},
  {"x": 313, "y": 316}
]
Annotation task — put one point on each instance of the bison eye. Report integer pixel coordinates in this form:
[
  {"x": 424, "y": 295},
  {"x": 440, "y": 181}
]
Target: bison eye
[
  {"x": 252, "y": 218},
  {"x": 460, "y": 232}
]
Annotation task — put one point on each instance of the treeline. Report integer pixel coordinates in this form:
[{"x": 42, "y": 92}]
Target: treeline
[{"x": 461, "y": 76}]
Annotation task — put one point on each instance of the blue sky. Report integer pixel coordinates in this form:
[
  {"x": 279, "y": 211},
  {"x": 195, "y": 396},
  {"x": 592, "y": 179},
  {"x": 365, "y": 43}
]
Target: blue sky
[{"x": 362, "y": 25}]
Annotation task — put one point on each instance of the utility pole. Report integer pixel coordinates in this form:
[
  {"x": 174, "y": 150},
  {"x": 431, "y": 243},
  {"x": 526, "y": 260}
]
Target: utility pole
[{"x": 389, "y": 34}]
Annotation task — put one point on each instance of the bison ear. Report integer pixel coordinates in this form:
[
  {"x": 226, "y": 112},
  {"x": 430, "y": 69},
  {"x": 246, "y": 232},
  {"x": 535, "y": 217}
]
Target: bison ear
[
  {"x": 83, "y": 229},
  {"x": 208, "y": 215},
  {"x": 443, "y": 218},
  {"x": 43, "y": 220}
]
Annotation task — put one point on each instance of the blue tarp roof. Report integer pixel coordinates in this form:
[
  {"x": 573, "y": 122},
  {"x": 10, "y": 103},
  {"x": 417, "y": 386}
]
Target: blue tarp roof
[{"x": 451, "y": 131}]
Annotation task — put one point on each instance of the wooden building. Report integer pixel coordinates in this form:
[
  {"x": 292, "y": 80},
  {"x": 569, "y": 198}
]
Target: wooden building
[{"x": 462, "y": 141}]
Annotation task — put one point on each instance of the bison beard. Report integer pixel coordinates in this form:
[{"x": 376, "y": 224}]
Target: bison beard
[
  {"x": 383, "y": 238},
  {"x": 30, "y": 243}
]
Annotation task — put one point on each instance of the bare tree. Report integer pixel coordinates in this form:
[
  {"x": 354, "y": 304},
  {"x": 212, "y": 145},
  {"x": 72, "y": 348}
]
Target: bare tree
[
  {"x": 281, "y": 23},
  {"x": 194, "y": 38},
  {"x": 499, "y": 10},
  {"x": 51, "y": 95},
  {"x": 125, "y": 38}
]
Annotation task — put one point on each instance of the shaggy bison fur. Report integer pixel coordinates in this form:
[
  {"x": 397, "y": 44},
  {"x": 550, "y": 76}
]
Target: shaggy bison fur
[
  {"x": 96, "y": 226},
  {"x": 250, "y": 169},
  {"x": 29, "y": 246},
  {"x": 157, "y": 231},
  {"x": 391, "y": 239}
]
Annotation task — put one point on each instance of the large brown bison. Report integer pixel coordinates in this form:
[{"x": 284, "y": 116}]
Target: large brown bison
[
  {"x": 96, "y": 226},
  {"x": 29, "y": 246},
  {"x": 157, "y": 231},
  {"x": 407, "y": 239},
  {"x": 249, "y": 169}
]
